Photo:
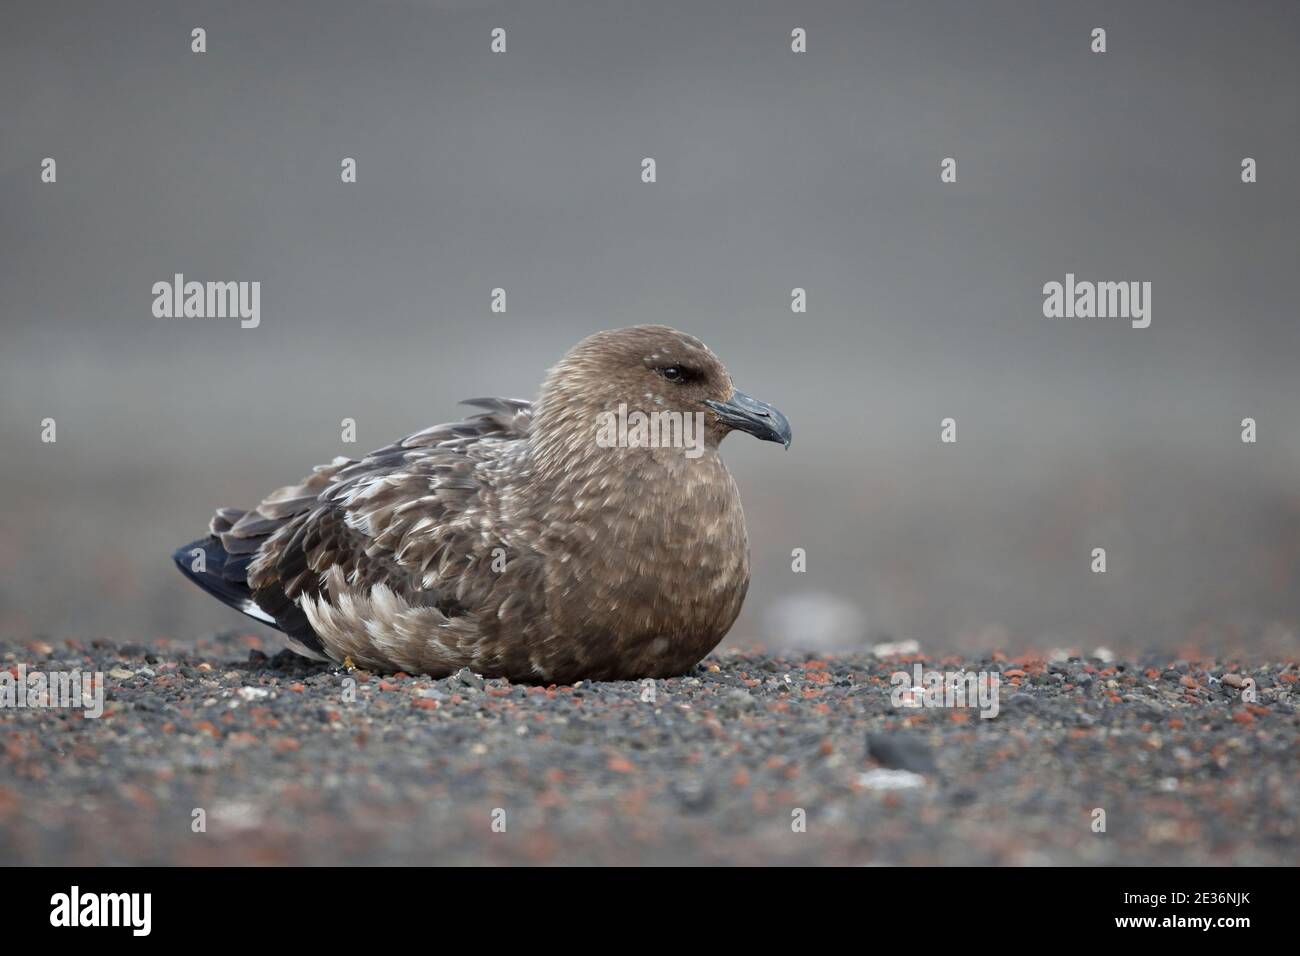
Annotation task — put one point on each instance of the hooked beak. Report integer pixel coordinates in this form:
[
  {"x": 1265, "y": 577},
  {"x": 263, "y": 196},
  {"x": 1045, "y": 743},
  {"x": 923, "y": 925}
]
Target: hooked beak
[{"x": 750, "y": 415}]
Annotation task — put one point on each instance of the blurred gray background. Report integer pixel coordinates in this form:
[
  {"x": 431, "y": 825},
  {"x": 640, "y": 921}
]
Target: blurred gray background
[{"x": 776, "y": 170}]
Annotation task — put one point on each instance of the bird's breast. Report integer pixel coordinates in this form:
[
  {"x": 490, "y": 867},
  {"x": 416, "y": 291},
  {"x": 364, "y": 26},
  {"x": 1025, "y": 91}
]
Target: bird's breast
[{"x": 652, "y": 569}]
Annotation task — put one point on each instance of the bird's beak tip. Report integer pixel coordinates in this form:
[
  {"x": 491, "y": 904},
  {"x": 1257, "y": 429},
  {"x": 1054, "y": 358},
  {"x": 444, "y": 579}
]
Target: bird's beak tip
[{"x": 744, "y": 413}]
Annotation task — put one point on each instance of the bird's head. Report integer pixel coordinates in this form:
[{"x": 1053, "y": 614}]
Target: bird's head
[{"x": 651, "y": 369}]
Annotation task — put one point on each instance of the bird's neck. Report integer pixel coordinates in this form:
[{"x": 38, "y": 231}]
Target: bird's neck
[
  {"x": 573, "y": 440},
  {"x": 671, "y": 503}
]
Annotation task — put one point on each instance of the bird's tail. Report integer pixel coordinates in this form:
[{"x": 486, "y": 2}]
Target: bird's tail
[{"x": 223, "y": 575}]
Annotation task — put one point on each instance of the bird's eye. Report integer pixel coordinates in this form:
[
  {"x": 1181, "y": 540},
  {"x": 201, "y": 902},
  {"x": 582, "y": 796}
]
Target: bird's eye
[{"x": 673, "y": 373}]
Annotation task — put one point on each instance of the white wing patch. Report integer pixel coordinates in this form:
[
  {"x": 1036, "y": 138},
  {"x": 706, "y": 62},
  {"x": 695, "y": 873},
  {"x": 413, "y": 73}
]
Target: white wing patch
[{"x": 253, "y": 611}]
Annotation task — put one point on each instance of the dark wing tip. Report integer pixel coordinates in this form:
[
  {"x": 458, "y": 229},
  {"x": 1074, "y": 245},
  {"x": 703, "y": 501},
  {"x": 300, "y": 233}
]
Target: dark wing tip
[{"x": 222, "y": 575}]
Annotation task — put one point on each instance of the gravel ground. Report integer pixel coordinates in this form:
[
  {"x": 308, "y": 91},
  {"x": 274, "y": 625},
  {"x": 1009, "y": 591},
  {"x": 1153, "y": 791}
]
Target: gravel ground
[{"x": 715, "y": 769}]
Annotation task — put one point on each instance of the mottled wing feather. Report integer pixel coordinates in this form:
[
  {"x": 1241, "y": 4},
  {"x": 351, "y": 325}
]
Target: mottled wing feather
[{"x": 404, "y": 517}]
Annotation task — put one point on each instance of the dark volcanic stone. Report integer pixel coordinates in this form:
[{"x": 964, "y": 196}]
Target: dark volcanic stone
[{"x": 901, "y": 750}]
